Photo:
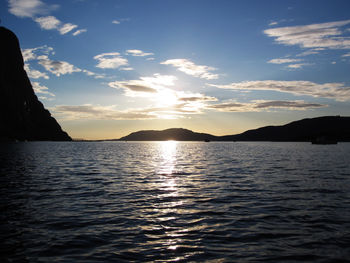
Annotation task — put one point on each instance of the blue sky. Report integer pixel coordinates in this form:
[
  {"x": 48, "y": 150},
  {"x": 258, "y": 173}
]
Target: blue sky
[{"x": 108, "y": 68}]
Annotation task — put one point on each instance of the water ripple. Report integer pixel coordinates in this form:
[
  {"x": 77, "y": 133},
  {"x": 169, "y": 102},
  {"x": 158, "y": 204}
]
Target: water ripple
[{"x": 166, "y": 202}]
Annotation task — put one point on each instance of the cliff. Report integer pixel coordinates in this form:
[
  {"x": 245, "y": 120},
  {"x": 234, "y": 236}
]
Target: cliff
[{"x": 22, "y": 115}]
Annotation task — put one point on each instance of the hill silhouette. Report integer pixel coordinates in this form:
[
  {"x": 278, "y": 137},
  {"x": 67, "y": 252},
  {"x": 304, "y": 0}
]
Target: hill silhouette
[
  {"x": 332, "y": 127},
  {"x": 22, "y": 115},
  {"x": 177, "y": 134}
]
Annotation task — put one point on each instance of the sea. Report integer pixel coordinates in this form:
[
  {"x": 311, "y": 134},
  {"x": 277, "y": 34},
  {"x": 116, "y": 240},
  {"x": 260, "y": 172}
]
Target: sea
[{"x": 174, "y": 202}]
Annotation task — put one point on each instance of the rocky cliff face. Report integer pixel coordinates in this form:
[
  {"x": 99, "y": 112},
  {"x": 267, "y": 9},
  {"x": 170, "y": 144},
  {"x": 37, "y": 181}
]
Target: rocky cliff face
[{"x": 22, "y": 115}]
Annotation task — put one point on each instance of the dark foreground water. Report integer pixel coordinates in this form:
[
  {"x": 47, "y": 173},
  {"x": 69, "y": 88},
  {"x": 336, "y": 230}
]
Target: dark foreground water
[{"x": 168, "y": 201}]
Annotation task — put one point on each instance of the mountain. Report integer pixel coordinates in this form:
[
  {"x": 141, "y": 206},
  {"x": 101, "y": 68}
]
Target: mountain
[
  {"x": 176, "y": 134},
  {"x": 22, "y": 115},
  {"x": 331, "y": 127}
]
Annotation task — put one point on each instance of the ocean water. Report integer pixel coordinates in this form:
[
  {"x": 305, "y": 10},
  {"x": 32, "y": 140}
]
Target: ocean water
[{"x": 174, "y": 202}]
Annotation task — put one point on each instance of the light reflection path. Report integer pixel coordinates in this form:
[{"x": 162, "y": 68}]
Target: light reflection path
[{"x": 169, "y": 198}]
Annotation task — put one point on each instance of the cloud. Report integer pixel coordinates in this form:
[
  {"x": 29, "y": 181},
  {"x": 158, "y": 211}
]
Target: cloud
[
  {"x": 138, "y": 53},
  {"x": 336, "y": 91},
  {"x": 111, "y": 60},
  {"x": 262, "y": 105},
  {"x": 51, "y": 23},
  {"x": 283, "y": 60},
  {"x": 189, "y": 68},
  {"x": 169, "y": 103},
  {"x": 308, "y": 52},
  {"x": 29, "y": 8},
  {"x": 48, "y": 22},
  {"x": 324, "y": 35},
  {"x": 33, "y": 8},
  {"x": 67, "y": 28},
  {"x": 97, "y": 112},
  {"x": 38, "y": 89},
  {"x": 34, "y": 74},
  {"x": 127, "y": 68},
  {"x": 145, "y": 85},
  {"x": 119, "y": 21},
  {"x": 58, "y": 67},
  {"x": 298, "y": 65},
  {"x": 33, "y": 53},
  {"x": 274, "y": 23},
  {"x": 78, "y": 32},
  {"x": 41, "y": 56}
]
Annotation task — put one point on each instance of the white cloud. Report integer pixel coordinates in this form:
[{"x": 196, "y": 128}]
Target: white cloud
[
  {"x": 34, "y": 74},
  {"x": 138, "y": 53},
  {"x": 39, "y": 89},
  {"x": 93, "y": 74},
  {"x": 169, "y": 102},
  {"x": 51, "y": 22},
  {"x": 97, "y": 112},
  {"x": 78, "y": 32},
  {"x": 41, "y": 55},
  {"x": 29, "y": 8},
  {"x": 127, "y": 68},
  {"x": 263, "y": 105},
  {"x": 67, "y": 28},
  {"x": 336, "y": 91},
  {"x": 111, "y": 60},
  {"x": 188, "y": 67},
  {"x": 283, "y": 60},
  {"x": 324, "y": 35},
  {"x": 298, "y": 65},
  {"x": 274, "y": 23},
  {"x": 31, "y": 53},
  {"x": 308, "y": 52},
  {"x": 48, "y": 22},
  {"x": 58, "y": 67},
  {"x": 116, "y": 22},
  {"x": 145, "y": 86}
]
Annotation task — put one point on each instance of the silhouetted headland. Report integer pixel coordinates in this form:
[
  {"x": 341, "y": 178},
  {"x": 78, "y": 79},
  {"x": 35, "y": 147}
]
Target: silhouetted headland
[
  {"x": 22, "y": 115},
  {"x": 176, "y": 134},
  {"x": 331, "y": 128}
]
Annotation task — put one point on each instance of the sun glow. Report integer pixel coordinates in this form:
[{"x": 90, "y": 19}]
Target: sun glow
[{"x": 166, "y": 98}]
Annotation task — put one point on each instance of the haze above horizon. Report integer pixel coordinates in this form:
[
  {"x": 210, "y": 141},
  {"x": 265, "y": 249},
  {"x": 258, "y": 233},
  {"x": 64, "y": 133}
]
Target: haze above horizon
[{"x": 108, "y": 68}]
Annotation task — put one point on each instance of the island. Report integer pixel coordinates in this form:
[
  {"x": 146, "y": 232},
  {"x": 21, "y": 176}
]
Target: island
[{"x": 323, "y": 129}]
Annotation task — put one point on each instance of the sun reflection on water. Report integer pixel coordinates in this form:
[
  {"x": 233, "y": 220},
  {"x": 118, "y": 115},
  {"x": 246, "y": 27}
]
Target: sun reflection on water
[
  {"x": 167, "y": 157},
  {"x": 169, "y": 200}
]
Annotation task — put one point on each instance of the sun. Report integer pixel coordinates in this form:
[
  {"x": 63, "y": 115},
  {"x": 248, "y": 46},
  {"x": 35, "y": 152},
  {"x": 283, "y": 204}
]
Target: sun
[{"x": 166, "y": 98}]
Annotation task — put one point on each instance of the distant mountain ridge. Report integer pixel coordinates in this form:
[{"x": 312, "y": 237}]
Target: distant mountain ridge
[
  {"x": 22, "y": 115},
  {"x": 333, "y": 127},
  {"x": 177, "y": 134}
]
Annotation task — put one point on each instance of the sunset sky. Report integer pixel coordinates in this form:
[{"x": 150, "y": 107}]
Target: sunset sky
[{"x": 108, "y": 68}]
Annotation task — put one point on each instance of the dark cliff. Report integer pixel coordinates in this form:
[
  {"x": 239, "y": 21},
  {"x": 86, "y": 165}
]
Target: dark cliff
[{"x": 22, "y": 115}]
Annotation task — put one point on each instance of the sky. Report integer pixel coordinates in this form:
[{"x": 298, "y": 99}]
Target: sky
[{"x": 107, "y": 68}]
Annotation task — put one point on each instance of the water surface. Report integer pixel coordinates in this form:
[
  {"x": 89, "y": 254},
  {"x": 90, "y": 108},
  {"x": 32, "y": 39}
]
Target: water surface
[{"x": 169, "y": 201}]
